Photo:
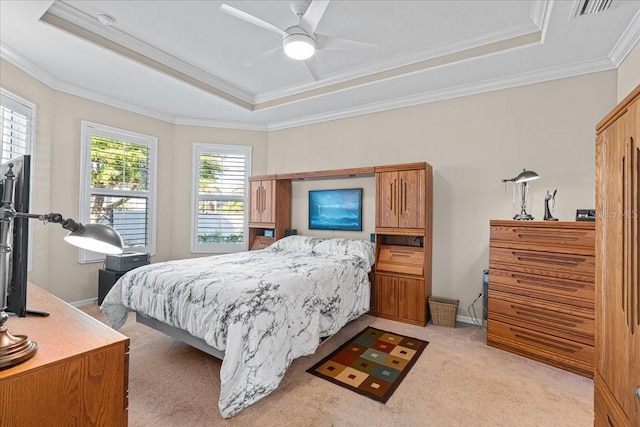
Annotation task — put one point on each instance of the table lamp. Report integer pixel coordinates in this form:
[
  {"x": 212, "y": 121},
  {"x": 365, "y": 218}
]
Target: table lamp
[{"x": 523, "y": 178}]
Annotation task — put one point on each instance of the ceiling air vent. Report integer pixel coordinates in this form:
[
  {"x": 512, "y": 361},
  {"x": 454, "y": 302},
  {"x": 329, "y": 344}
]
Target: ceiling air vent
[{"x": 587, "y": 7}]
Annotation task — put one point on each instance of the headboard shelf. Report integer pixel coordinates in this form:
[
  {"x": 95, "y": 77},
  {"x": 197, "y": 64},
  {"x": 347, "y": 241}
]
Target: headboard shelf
[{"x": 328, "y": 174}]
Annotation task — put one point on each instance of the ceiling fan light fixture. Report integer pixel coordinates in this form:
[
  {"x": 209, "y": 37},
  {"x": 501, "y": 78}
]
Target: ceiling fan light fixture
[{"x": 299, "y": 46}]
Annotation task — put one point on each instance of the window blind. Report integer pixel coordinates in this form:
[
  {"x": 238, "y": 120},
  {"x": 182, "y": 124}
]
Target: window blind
[{"x": 15, "y": 122}]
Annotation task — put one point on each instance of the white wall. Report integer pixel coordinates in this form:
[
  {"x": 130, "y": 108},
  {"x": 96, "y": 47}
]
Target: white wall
[
  {"x": 629, "y": 73},
  {"x": 472, "y": 143}
]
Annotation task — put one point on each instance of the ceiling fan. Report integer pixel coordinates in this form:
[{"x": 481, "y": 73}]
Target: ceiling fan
[{"x": 300, "y": 41}]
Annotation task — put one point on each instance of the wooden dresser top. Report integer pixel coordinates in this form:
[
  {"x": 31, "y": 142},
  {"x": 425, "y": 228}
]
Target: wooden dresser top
[{"x": 65, "y": 333}]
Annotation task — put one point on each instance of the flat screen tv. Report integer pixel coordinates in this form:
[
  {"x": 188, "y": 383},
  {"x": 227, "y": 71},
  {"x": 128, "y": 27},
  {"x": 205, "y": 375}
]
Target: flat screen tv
[
  {"x": 18, "y": 263},
  {"x": 339, "y": 209}
]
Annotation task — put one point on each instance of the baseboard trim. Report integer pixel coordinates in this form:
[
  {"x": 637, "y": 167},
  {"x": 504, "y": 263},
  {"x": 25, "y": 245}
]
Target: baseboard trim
[
  {"x": 84, "y": 302},
  {"x": 469, "y": 320}
]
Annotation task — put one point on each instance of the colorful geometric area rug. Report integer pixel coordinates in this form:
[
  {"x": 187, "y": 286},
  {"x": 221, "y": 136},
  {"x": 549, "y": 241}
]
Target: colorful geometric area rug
[{"x": 373, "y": 363}]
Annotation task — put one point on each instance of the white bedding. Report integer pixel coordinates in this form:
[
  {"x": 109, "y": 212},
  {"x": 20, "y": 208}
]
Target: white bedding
[{"x": 262, "y": 308}]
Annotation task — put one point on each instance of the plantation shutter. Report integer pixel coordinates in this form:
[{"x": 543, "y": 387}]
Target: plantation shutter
[
  {"x": 15, "y": 119},
  {"x": 221, "y": 197}
]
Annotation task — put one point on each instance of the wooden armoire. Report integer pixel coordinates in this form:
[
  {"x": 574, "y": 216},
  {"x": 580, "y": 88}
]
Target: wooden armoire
[
  {"x": 402, "y": 282},
  {"x": 617, "y": 375}
]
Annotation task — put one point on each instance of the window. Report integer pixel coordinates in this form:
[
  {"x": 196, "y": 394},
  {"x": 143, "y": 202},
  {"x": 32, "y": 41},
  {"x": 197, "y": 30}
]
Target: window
[
  {"x": 17, "y": 118},
  {"x": 221, "y": 174},
  {"x": 17, "y": 128},
  {"x": 118, "y": 185}
]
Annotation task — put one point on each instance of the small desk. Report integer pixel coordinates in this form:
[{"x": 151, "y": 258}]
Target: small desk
[{"x": 79, "y": 375}]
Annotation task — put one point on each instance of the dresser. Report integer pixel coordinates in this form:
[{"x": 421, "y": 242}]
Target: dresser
[
  {"x": 542, "y": 292},
  {"x": 78, "y": 376}
]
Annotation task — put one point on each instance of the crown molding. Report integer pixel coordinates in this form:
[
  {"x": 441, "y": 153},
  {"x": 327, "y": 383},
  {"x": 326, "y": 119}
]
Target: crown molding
[
  {"x": 113, "y": 102},
  {"x": 27, "y": 66},
  {"x": 70, "y": 19},
  {"x": 539, "y": 12},
  {"x": 185, "y": 121},
  {"x": 533, "y": 77},
  {"x": 39, "y": 74},
  {"x": 629, "y": 39}
]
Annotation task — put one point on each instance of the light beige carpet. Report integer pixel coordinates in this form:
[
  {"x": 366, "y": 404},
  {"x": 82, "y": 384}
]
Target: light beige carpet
[{"x": 458, "y": 381}]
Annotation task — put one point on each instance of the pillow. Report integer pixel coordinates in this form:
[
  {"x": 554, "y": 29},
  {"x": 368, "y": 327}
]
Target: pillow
[
  {"x": 361, "y": 248},
  {"x": 296, "y": 243}
]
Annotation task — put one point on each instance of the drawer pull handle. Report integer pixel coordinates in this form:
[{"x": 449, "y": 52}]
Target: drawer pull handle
[
  {"x": 638, "y": 393},
  {"x": 566, "y": 236},
  {"x": 549, "y": 259},
  {"x": 547, "y": 342},
  {"x": 546, "y": 316},
  {"x": 400, "y": 253},
  {"x": 553, "y": 284}
]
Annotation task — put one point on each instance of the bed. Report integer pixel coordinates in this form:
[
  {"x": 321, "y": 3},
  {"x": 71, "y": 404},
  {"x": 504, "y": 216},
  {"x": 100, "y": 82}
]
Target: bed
[{"x": 256, "y": 310}]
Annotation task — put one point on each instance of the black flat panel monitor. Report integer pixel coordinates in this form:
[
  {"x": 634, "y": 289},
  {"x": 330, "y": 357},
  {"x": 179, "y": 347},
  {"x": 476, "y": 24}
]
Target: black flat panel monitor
[{"x": 17, "y": 292}]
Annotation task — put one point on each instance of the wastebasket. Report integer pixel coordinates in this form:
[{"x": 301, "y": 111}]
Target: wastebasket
[{"x": 443, "y": 311}]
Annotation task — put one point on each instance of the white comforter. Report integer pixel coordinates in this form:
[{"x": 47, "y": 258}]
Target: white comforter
[{"x": 262, "y": 308}]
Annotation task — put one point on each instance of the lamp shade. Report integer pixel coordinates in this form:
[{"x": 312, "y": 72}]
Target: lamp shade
[
  {"x": 526, "y": 175},
  {"x": 97, "y": 238}
]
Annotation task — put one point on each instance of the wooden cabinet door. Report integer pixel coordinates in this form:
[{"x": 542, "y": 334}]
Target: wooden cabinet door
[
  {"x": 387, "y": 199},
  {"x": 612, "y": 361},
  {"x": 268, "y": 214},
  {"x": 411, "y": 299},
  {"x": 633, "y": 392},
  {"x": 386, "y": 298},
  {"x": 262, "y": 201},
  {"x": 255, "y": 201},
  {"x": 410, "y": 198}
]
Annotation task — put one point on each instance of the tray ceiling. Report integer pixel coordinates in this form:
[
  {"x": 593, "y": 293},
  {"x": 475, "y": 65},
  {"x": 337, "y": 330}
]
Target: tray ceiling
[{"x": 183, "y": 61}]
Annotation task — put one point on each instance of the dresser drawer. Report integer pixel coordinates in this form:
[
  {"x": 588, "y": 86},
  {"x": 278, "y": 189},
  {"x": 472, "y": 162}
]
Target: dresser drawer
[
  {"x": 548, "y": 260},
  {"x": 572, "y": 323},
  {"x": 544, "y": 234},
  {"x": 556, "y": 351},
  {"x": 575, "y": 289},
  {"x": 401, "y": 259}
]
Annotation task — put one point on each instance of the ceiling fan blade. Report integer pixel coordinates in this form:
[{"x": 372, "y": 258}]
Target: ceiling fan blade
[
  {"x": 334, "y": 43},
  {"x": 262, "y": 57},
  {"x": 314, "y": 13},
  {"x": 312, "y": 66},
  {"x": 251, "y": 19}
]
